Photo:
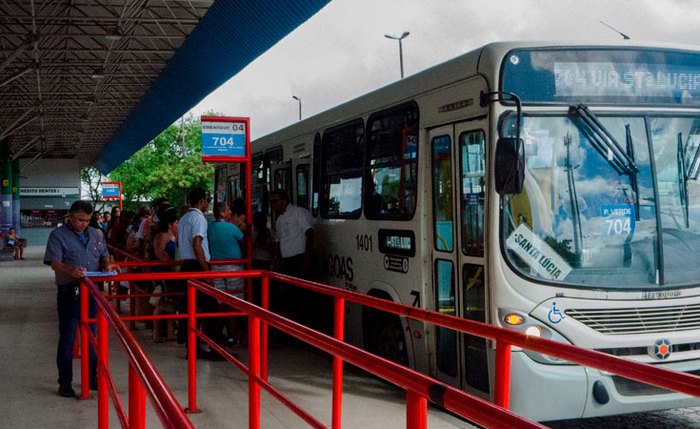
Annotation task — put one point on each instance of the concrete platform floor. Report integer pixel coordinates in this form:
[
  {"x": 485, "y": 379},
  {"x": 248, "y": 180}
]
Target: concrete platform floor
[{"x": 28, "y": 374}]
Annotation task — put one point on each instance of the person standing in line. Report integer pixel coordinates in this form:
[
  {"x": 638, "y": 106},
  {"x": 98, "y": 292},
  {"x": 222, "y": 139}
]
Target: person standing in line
[
  {"x": 225, "y": 235},
  {"x": 295, "y": 235},
  {"x": 263, "y": 242},
  {"x": 164, "y": 249},
  {"x": 147, "y": 229},
  {"x": 72, "y": 250},
  {"x": 193, "y": 243},
  {"x": 295, "y": 242}
]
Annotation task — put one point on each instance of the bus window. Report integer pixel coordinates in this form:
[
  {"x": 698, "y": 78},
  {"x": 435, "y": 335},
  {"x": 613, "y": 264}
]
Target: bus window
[
  {"x": 317, "y": 175},
  {"x": 472, "y": 145},
  {"x": 442, "y": 193},
  {"x": 281, "y": 180},
  {"x": 259, "y": 195},
  {"x": 220, "y": 183},
  {"x": 391, "y": 163},
  {"x": 302, "y": 189},
  {"x": 445, "y": 338},
  {"x": 341, "y": 180}
]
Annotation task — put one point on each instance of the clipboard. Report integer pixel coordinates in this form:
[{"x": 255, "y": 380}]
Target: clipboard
[{"x": 100, "y": 273}]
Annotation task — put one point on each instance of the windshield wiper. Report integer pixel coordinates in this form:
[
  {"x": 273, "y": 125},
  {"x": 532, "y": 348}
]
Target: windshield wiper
[
  {"x": 603, "y": 141},
  {"x": 682, "y": 178},
  {"x": 633, "y": 177}
]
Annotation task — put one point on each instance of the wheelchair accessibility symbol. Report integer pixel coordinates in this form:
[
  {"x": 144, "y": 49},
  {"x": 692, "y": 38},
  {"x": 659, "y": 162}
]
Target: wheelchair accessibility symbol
[{"x": 554, "y": 315}]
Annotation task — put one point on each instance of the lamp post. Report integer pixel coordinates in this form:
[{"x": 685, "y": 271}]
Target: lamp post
[
  {"x": 399, "y": 38},
  {"x": 299, "y": 100}
]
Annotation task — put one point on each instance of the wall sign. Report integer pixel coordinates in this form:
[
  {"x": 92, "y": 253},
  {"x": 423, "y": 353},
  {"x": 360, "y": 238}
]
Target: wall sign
[{"x": 49, "y": 192}]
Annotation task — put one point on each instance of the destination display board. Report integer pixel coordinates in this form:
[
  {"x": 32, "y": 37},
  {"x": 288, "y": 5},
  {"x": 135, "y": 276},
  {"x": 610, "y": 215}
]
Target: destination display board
[{"x": 603, "y": 76}]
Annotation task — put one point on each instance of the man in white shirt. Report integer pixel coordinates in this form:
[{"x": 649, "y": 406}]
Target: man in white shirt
[{"x": 295, "y": 235}]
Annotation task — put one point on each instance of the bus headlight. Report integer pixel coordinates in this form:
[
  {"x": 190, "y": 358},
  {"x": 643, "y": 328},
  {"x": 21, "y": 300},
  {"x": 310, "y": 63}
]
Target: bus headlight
[
  {"x": 520, "y": 322},
  {"x": 533, "y": 331}
]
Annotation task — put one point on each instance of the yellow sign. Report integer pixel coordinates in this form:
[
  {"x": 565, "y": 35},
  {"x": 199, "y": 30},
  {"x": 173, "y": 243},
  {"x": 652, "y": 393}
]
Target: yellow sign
[{"x": 5, "y": 182}]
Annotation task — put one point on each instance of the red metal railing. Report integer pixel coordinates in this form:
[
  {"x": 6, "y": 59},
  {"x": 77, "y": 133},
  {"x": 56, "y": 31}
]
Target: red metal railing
[
  {"x": 419, "y": 388},
  {"x": 144, "y": 380}
]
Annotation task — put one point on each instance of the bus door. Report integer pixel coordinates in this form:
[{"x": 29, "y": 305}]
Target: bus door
[{"x": 458, "y": 264}]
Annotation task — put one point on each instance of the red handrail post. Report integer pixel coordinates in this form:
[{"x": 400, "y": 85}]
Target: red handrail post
[
  {"x": 265, "y": 298},
  {"x": 132, "y": 305},
  {"x": 84, "y": 344},
  {"x": 102, "y": 370},
  {"x": 416, "y": 411},
  {"x": 191, "y": 349},
  {"x": 137, "y": 401},
  {"x": 339, "y": 331},
  {"x": 253, "y": 372},
  {"x": 502, "y": 387}
]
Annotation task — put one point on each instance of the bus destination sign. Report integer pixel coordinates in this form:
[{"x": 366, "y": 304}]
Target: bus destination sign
[
  {"x": 625, "y": 79},
  {"x": 603, "y": 76}
]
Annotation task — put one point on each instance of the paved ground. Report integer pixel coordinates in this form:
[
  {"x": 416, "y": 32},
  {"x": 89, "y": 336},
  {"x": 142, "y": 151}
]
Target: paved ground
[{"x": 28, "y": 399}]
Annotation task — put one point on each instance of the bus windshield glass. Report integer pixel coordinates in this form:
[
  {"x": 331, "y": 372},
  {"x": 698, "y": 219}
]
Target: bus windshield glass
[{"x": 611, "y": 206}]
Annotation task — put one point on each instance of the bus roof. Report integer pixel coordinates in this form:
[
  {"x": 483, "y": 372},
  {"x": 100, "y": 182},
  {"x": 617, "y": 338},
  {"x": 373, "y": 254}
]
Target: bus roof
[{"x": 484, "y": 61}]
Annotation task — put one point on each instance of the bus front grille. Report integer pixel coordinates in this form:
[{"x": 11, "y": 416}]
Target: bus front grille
[
  {"x": 627, "y": 387},
  {"x": 639, "y": 320}
]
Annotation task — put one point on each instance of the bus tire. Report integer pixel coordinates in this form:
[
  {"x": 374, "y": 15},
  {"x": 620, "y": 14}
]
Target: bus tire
[{"x": 383, "y": 335}]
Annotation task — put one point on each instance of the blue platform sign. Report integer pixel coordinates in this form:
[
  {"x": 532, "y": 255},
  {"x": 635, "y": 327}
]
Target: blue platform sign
[
  {"x": 110, "y": 190},
  {"x": 223, "y": 138}
]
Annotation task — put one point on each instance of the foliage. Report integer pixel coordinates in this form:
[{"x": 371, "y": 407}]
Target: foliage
[
  {"x": 92, "y": 179},
  {"x": 170, "y": 165}
]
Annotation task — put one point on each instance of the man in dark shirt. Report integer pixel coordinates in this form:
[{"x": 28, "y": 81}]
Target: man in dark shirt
[{"x": 72, "y": 250}]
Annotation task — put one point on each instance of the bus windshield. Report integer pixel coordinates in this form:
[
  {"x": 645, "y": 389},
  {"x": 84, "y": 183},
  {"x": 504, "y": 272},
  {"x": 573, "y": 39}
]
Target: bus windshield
[{"x": 609, "y": 201}]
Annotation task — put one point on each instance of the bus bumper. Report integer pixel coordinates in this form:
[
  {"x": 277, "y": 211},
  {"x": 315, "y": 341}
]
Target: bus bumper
[
  {"x": 629, "y": 396},
  {"x": 555, "y": 392},
  {"x": 546, "y": 392}
]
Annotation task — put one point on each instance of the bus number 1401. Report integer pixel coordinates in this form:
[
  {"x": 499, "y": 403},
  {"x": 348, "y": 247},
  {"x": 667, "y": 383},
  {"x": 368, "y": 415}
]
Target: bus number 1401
[{"x": 364, "y": 242}]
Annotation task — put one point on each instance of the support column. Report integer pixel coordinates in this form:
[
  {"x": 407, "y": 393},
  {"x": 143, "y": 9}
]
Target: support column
[
  {"x": 5, "y": 186},
  {"x": 16, "y": 216}
]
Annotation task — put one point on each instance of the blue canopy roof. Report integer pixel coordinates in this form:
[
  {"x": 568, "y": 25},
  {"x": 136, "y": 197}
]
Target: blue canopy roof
[{"x": 228, "y": 38}]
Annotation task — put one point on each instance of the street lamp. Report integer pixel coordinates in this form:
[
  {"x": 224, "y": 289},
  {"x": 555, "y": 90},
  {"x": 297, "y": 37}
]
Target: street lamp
[
  {"x": 299, "y": 100},
  {"x": 399, "y": 38}
]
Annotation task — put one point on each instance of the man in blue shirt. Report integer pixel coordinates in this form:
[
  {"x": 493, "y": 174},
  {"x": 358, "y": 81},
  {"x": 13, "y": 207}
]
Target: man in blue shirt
[{"x": 72, "y": 250}]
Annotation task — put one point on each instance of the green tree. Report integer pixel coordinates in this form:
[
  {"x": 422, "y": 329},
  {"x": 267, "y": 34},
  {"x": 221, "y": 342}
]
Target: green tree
[
  {"x": 91, "y": 180},
  {"x": 169, "y": 166}
]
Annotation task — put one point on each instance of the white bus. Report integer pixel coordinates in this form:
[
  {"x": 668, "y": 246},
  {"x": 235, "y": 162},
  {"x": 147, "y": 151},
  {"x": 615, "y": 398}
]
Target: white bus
[{"x": 545, "y": 188}]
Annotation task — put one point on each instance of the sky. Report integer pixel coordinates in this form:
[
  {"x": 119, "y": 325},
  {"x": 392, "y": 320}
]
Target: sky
[{"x": 341, "y": 52}]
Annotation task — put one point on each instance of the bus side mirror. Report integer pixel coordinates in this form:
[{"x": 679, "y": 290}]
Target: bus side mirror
[{"x": 509, "y": 166}]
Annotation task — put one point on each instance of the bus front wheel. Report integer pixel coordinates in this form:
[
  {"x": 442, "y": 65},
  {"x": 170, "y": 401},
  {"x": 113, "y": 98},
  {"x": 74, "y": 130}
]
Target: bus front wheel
[{"x": 384, "y": 336}]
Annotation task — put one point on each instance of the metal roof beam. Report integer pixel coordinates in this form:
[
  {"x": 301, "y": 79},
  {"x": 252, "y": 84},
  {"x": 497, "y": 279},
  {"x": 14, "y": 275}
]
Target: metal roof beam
[
  {"x": 26, "y": 147},
  {"x": 16, "y": 125}
]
